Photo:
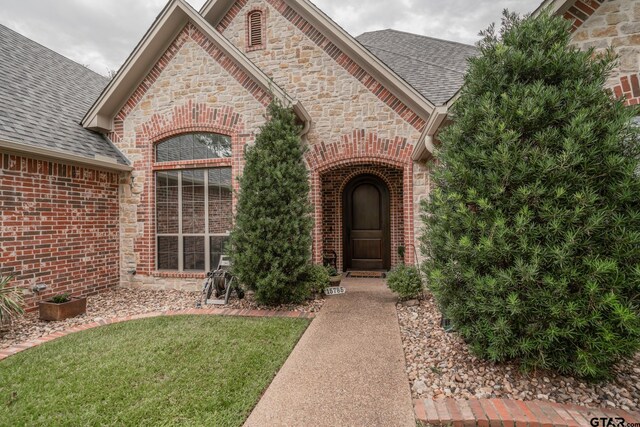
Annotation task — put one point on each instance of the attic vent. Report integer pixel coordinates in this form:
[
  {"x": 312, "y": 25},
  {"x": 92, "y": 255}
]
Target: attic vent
[{"x": 255, "y": 29}]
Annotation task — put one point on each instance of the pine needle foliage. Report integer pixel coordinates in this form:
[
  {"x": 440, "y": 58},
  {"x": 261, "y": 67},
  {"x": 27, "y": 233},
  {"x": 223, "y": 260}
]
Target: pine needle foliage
[
  {"x": 271, "y": 240},
  {"x": 532, "y": 232}
]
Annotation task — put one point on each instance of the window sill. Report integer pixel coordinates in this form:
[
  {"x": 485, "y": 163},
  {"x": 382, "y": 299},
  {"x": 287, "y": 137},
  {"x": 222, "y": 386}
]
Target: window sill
[{"x": 180, "y": 274}]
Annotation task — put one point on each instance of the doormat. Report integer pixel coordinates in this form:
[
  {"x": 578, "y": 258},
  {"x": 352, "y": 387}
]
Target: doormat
[{"x": 366, "y": 274}]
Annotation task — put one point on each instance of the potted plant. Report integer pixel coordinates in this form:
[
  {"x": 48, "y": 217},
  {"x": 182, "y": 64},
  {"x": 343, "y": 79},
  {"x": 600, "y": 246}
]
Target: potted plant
[
  {"x": 62, "y": 307},
  {"x": 334, "y": 277},
  {"x": 10, "y": 301}
]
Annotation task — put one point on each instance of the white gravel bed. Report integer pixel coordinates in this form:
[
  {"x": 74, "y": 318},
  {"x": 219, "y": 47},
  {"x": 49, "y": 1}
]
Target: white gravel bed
[
  {"x": 439, "y": 364},
  {"x": 121, "y": 302}
]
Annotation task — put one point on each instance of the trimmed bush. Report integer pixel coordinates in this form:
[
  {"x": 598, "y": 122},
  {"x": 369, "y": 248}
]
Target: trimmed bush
[
  {"x": 317, "y": 278},
  {"x": 533, "y": 229},
  {"x": 405, "y": 281},
  {"x": 271, "y": 240}
]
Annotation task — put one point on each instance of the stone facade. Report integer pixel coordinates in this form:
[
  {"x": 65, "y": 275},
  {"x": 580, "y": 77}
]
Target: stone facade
[
  {"x": 59, "y": 227},
  {"x": 357, "y": 127},
  {"x": 615, "y": 24},
  {"x": 194, "y": 89},
  {"x": 345, "y": 105}
]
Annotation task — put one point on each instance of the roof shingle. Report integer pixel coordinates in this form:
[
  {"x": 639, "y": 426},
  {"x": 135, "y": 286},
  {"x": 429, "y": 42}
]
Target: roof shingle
[
  {"x": 43, "y": 97},
  {"x": 433, "y": 67}
]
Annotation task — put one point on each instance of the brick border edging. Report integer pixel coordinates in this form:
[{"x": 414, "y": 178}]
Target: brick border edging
[
  {"x": 508, "y": 412},
  {"x": 17, "y": 348}
]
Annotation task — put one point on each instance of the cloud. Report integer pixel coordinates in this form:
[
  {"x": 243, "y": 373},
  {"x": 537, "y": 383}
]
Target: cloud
[{"x": 101, "y": 34}]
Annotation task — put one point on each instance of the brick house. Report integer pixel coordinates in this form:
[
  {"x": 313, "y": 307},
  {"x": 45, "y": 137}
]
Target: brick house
[{"x": 131, "y": 181}]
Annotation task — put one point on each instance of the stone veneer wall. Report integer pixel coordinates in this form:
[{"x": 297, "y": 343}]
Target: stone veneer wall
[
  {"x": 58, "y": 227},
  {"x": 342, "y": 99},
  {"x": 614, "y": 23},
  {"x": 194, "y": 87}
]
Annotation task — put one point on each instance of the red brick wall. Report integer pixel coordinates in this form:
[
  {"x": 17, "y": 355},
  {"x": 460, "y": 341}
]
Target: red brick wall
[
  {"x": 362, "y": 152},
  {"x": 59, "y": 227},
  {"x": 629, "y": 89},
  {"x": 581, "y": 11}
]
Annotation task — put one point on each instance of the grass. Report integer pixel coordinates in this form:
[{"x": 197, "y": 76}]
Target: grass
[{"x": 164, "y": 371}]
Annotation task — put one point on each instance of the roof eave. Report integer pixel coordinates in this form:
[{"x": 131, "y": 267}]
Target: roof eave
[
  {"x": 100, "y": 162},
  {"x": 554, "y": 6},
  {"x": 172, "y": 19},
  {"x": 425, "y": 146}
]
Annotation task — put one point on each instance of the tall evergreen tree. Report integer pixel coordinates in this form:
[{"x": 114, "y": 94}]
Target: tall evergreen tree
[
  {"x": 533, "y": 229},
  {"x": 271, "y": 240}
]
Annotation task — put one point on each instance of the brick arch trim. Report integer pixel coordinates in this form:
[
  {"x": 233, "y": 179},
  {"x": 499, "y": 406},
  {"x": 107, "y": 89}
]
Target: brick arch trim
[
  {"x": 191, "y": 117},
  {"x": 368, "y": 170},
  {"x": 359, "y": 147}
]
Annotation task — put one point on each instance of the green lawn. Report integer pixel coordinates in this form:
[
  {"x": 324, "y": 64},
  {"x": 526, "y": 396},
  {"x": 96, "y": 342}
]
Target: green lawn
[{"x": 183, "y": 370}]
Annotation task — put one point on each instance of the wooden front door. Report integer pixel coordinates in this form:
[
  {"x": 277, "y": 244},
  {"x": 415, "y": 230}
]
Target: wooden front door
[{"x": 366, "y": 233}]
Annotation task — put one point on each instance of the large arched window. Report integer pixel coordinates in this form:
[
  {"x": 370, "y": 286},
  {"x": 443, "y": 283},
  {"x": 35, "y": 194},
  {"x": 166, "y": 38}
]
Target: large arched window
[
  {"x": 193, "y": 206},
  {"x": 193, "y": 146}
]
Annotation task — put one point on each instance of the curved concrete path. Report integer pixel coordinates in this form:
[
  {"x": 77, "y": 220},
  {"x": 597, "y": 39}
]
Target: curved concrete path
[{"x": 348, "y": 368}]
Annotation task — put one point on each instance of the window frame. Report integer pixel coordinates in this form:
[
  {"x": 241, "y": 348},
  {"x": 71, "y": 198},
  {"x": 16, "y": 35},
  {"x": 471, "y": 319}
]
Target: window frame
[
  {"x": 180, "y": 235},
  {"x": 179, "y": 166}
]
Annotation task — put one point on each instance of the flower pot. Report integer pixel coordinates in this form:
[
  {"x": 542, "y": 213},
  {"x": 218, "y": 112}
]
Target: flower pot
[
  {"x": 335, "y": 280},
  {"x": 52, "y": 311}
]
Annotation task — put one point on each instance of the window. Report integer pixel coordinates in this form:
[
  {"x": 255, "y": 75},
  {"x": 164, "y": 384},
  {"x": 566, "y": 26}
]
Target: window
[
  {"x": 193, "y": 206},
  {"x": 255, "y": 34},
  {"x": 194, "y": 146}
]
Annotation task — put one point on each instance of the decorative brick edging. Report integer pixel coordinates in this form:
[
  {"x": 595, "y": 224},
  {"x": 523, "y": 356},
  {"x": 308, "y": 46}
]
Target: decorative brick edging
[
  {"x": 507, "y": 412},
  {"x": 10, "y": 351}
]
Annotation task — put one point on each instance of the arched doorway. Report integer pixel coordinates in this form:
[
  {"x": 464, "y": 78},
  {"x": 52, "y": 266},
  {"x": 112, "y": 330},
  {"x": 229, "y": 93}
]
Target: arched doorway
[{"x": 366, "y": 224}]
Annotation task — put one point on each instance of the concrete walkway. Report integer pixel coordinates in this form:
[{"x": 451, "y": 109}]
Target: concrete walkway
[{"x": 348, "y": 368}]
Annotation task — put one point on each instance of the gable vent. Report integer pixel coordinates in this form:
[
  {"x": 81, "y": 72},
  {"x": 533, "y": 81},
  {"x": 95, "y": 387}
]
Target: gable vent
[{"x": 255, "y": 29}]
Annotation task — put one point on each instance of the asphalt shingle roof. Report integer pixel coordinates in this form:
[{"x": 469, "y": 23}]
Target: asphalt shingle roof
[
  {"x": 44, "y": 96},
  {"x": 433, "y": 67}
]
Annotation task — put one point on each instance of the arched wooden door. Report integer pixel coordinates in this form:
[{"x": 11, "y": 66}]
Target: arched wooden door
[{"x": 366, "y": 224}]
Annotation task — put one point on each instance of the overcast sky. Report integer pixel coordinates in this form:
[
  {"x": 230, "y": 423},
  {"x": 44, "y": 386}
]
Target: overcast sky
[{"x": 102, "y": 33}]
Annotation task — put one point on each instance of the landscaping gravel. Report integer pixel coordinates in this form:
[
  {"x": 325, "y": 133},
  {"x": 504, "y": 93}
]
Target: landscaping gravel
[
  {"x": 439, "y": 364},
  {"x": 121, "y": 302}
]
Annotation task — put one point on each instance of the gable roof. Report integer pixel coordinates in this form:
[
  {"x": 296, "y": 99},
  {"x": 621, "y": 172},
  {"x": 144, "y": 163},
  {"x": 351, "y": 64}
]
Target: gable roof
[
  {"x": 43, "y": 97},
  {"x": 215, "y": 10},
  {"x": 171, "y": 20},
  {"x": 434, "y": 67}
]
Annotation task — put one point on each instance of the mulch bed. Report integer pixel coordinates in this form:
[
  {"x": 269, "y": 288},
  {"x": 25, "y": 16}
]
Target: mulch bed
[
  {"x": 439, "y": 364},
  {"x": 121, "y": 302}
]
